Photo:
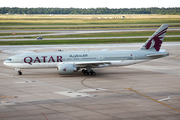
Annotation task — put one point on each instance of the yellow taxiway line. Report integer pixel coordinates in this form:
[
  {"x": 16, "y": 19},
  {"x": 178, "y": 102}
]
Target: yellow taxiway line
[
  {"x": 7, "y": 96},
  {"x": 153, "y": 99}
]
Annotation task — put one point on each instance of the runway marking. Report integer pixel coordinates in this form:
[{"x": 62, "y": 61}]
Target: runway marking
[
  {"x": 82, "y": 82},
  {"x": 8, "y": 96},
  {"x": 3, "y": 103},
  {"x": 153, "y": 99},
  {"x": 175, "y": 57},
  {"x": 74, "y": 94},
  {"x": 45, "y": 116},
  {"x": 164, "y": 99},
  {"x": 38, "y": 100},
  {"x": 91, "y": 90}
]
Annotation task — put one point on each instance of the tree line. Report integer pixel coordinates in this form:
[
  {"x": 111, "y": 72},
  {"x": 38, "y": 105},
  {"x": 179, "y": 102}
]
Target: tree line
[{"x": 152, "y": 10}]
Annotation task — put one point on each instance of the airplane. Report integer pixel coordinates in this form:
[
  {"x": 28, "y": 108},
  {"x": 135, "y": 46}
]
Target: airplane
[{"x": 70, "y": 62}]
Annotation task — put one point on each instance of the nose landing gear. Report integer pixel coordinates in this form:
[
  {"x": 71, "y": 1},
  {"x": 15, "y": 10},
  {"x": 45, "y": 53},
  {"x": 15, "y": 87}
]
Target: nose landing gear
[{"x": 19, "y": 72}]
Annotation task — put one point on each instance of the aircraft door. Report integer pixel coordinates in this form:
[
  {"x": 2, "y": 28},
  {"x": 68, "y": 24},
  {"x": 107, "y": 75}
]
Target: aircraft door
[
  {"x": 135, "y": 57},
  {"x": 100, "y": 58}
]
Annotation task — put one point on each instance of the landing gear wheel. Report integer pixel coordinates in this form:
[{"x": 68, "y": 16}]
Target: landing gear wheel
[
  {"x": 19, "y": 73},
  {"x": 93, "y": 73},
  {"x": 86, "y": 73},
  {"x": 83, "y": 71},
  {"x": 90, "y": 74}
]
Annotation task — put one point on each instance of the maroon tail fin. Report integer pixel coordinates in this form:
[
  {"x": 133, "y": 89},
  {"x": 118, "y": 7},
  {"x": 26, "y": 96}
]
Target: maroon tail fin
[{"x": 155, "y": 41}]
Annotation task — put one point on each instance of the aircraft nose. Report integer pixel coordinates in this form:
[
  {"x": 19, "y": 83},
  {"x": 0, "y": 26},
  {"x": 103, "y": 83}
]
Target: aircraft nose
[{"x": 6, "y": 63}]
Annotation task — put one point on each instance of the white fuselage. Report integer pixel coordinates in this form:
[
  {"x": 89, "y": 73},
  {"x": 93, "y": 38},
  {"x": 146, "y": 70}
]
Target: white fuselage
[{"x": 52, "y": 59}]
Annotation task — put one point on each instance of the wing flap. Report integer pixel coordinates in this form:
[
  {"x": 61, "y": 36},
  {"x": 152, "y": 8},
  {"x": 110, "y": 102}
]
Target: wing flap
[{"x": 92, "y": 63}]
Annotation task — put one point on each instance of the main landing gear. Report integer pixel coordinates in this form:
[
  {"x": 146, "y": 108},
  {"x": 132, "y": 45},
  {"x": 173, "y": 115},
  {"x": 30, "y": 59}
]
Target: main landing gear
[{"x": 88, "y": 72}]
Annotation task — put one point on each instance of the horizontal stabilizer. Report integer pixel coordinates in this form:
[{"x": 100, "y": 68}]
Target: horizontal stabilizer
[
  {"x": 162, "y": 50},
  {"x": 159, "y": 54},
  {"x": 104, "y": 50}
]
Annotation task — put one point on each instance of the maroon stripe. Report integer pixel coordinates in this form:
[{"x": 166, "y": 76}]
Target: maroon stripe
[{"x": 162, "y": 32}]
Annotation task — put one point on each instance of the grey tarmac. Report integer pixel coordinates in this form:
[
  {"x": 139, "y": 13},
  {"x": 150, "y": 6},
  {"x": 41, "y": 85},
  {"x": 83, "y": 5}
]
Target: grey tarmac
[{"x": 42, "y": 93}]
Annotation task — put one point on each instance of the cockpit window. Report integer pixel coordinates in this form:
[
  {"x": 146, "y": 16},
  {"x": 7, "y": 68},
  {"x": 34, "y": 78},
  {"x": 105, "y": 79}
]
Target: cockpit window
[{"x": 9, "y": 59}]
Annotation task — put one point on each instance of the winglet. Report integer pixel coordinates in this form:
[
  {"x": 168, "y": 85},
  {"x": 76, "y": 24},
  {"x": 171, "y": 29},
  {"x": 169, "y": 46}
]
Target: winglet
[{"x": 155, "y": 41}]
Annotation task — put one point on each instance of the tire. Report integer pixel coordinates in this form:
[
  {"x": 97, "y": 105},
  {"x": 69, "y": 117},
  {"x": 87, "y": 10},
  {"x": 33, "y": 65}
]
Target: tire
[
  {"x": 90, "y": 73},
  {"x": 86, "y": 73},
  {"x": 19, "y": 73},
  {"x": 93, "y": 73},
  {"x": 83, "y": 71}
]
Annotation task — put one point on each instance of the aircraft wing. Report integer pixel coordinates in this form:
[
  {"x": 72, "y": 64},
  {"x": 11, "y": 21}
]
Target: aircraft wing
[{"x": 93, "y": 64}]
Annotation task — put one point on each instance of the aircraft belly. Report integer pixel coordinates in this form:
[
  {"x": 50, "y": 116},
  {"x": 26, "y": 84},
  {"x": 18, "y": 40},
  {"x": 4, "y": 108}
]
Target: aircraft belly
[{"x": 34, "y": 65}]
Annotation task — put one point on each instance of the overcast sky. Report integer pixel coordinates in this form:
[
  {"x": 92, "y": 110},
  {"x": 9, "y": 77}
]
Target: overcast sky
[{"x": 90, "y": 3}]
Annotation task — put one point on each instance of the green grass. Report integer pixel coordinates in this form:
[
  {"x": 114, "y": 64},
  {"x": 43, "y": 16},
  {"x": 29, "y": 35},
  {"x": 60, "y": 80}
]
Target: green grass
[
  {"x": 75, "y": 27},
  {"x": 54, "y": 42},
  {"x": 37, "y": 22},
  {"x": 7, "y": 34},
  {"x": 8, "y": 22},
  {"x": 113, "y": 34}
]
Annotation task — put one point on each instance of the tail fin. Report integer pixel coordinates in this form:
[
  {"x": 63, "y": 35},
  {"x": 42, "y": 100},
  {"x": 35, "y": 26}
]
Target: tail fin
[{"x": 155, "y": 41}]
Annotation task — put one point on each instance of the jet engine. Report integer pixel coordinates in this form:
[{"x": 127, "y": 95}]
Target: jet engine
[{"x": 66, "y": 68}]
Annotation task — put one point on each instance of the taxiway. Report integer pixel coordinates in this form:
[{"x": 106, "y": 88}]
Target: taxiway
[
  {"x": 68, "y": 32},
  {"x": 85, "y": 38},
  {"x": 114, "y": 93}
]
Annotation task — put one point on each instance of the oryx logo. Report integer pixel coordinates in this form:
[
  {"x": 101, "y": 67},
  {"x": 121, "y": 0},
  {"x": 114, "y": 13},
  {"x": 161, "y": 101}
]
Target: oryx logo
[
  {"x": 65, "y": 69},
  {"x": 156, "y": 41}
]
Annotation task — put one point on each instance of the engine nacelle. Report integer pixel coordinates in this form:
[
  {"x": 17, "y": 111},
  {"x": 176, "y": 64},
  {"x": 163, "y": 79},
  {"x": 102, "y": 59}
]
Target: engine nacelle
[{"x": 66, "y": 68}]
